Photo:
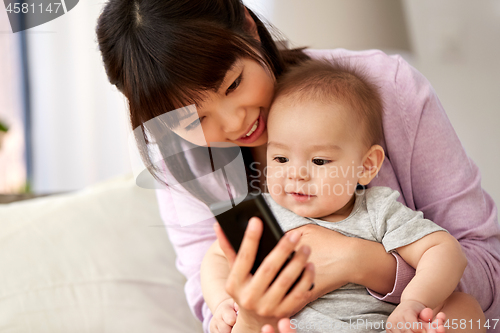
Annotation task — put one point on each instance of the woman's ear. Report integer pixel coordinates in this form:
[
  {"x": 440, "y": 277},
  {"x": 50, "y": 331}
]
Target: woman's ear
[
  {"x": 372, "y": 161},
  {"x": 250, "y": 26}
]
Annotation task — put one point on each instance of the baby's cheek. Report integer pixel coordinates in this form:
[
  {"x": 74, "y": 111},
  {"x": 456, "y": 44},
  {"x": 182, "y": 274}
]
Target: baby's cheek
[{"x": 274, "y": 180}]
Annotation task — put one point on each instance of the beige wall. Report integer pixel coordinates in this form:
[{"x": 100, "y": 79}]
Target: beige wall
[{"x": 456, "y": 44}]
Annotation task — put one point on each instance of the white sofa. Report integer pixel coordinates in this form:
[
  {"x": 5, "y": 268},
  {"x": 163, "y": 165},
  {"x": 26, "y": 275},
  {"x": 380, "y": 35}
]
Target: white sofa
[{"x": 96, "y": 260}]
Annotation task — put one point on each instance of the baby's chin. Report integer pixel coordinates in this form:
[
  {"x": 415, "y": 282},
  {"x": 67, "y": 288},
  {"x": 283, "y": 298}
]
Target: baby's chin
[
  {"x": 306, "y": 212},
  {"x": 301, "y": 210}
]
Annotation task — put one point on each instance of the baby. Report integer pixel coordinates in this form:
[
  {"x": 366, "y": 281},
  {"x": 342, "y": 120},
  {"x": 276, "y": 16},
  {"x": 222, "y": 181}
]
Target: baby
[{"x": 325, "y": 126}]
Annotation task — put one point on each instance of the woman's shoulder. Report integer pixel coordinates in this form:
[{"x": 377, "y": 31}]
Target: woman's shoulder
[
  {"x": 392, "y": 73},
  {"x": 403, "y": 89},
  {"x": 372, "y": 57}
]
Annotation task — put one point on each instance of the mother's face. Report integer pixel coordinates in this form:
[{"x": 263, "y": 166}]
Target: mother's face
[{"x": 237, "y": 112}]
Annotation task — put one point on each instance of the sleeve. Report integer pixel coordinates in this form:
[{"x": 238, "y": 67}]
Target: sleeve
[
  {"x": 439, "y": 179},
  {"x": 395, "y": 224},
  {"x": 404, "y": 274},
  {"x": 190, "y": 243}
]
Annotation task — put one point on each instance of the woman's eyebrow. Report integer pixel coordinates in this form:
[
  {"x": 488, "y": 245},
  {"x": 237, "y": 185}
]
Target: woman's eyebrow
[{"x": 236, "y": 67}]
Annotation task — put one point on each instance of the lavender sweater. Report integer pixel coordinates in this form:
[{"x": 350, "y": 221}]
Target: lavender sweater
[{"x": 425, "y": 162}]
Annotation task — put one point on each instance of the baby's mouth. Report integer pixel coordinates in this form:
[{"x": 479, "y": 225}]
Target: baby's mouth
[{"x": 300, "y": 194}]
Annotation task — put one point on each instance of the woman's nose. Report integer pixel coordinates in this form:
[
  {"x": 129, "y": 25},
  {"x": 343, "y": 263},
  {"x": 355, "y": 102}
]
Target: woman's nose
[{"x": 233, "y": 119}]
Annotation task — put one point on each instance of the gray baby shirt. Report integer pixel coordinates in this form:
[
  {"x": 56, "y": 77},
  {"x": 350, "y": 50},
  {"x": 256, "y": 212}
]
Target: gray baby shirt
[{"x": 376, "y": 216}]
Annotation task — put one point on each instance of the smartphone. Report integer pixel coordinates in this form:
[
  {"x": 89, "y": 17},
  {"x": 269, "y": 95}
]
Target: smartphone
[{"x": 234, "y": 221}]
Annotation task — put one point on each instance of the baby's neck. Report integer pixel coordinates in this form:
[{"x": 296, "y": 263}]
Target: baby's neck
[{"x": 342, "y": 213}]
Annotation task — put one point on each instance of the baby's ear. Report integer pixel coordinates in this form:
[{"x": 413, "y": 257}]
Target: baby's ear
[{"x": 372, "y": 162}]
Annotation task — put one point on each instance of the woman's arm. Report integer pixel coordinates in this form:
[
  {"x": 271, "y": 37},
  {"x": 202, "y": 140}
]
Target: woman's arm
[
  {"x": 190, "y": 243},
  {"x": 438, "y": 178}
]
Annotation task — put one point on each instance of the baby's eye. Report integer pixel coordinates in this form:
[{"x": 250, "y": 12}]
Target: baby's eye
[
  {"x": 320, "y": 161},
  {"x": 280, "y": 159}
]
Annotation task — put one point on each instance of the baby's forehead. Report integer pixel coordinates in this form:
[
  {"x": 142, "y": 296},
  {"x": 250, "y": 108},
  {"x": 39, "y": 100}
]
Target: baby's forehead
[
  {"x": 333, "y": 115},
  {"x": 307, "y": 106}
]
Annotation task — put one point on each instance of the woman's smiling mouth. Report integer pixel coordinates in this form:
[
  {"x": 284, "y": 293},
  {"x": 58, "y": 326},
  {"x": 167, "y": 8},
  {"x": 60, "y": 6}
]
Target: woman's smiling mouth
[{"x": 254, "y": 132}]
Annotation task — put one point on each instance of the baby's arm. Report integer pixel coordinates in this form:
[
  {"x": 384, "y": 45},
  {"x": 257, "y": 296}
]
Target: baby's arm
[
  {"x": 439, "y": 263},
  {"x": 214, "y": 273}
]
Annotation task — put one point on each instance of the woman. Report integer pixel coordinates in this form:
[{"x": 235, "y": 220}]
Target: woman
[{"x": 217, "y": 55}]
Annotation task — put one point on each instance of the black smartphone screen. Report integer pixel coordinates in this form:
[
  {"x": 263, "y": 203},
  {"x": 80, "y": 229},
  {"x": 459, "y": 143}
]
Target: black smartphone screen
[{"x": 235, "y": 220}]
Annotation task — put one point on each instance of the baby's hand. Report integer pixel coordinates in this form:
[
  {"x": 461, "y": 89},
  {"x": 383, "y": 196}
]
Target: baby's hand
[
  {"x": 413, "y": 316},
  {"x": 224, "y": 317},
  {"x": 432, "y": 325}
]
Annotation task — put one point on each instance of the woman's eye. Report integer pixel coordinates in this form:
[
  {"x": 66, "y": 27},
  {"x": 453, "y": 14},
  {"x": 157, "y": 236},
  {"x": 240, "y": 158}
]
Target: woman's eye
[
  {"x": 320, "y": 161},
  {"x": 234, "y": 85},
  {"x": 194, "y": 124},
  {"x": 280, "y": 159}
]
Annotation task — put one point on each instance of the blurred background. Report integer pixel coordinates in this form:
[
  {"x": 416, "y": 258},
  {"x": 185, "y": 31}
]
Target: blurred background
[{"x": 63, "y": 126}]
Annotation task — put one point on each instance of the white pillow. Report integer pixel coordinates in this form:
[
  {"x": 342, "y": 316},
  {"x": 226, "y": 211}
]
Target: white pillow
[{"x": 97, "y": 260}]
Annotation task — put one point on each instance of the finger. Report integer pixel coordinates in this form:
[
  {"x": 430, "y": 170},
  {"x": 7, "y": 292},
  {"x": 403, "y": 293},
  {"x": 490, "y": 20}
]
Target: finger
[
  {"x": 273, "y": 262},
  {"x": 441, "y": 316},
  {"x": 426, "y": 315},
  {"x": 229, "y": 317},
  {"x": 300, "y": 294},
  {"x": 224, "y": 244},
  {"x": 213, "y": 326},
  {"x": 288, "y": 276},
  {"x": 223, "y": 327},
  {"x": 284, "y": 326},
  {"x": 246, "y": 254},
  {"x": 440, "y": 319},
  {"x": 267, "y": 329}
]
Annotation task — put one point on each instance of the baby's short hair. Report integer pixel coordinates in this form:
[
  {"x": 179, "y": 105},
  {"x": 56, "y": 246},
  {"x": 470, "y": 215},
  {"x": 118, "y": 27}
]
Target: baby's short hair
[{"x": 336, "y": 81}]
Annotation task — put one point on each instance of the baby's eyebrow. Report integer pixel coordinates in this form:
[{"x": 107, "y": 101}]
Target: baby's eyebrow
[
  {"x": 276, "y": 144},
  {"x": 326, "y": 147}
]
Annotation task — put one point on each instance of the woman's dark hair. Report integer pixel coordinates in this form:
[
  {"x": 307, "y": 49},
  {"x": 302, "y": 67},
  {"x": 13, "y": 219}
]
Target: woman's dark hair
[{"x": 163, "y": 54}]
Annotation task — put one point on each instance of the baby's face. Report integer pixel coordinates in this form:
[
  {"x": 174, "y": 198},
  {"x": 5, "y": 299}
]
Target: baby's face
[{"x": 314, "y": 158}]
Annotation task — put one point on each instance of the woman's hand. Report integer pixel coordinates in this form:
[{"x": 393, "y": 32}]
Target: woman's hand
[
  {"x": 260, "y": 302},
  {"x": 339, "y": 259}
]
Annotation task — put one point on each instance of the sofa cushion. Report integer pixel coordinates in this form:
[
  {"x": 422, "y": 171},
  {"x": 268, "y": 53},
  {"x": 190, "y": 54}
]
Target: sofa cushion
[{"x": 96, "y": 260}]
